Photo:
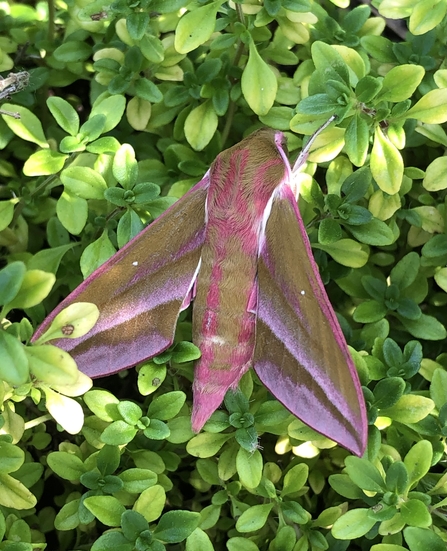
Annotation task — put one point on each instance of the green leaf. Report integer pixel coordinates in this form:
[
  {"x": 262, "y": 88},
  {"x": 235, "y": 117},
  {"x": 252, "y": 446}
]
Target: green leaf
[
  {"x": 44, "y": 163},
  {"x": 107, "y": 509},
  {"x": 363, "y": 473},
  {"x": 295, "y": 479},
  {"x": 108, "y": 145},
  {"x": 110, "y": 106},
  {"x": 11, "y": 279},
  {"x": 375, "y": 233},
  {"x": 103, "y": 404},
  {"x": 36, "y": 285},
  {"x": 118, "y": 433},
  {"x": 12, "y": 457},
  {"x": 92, "y": 129},
  {"x": 415, "y": 513},
  {"x": 147, "y": 90},
  {"x": 151, "y": 503},
  {"x": 65, "y": 115},
  {"x": 405, "y": 271},
  {"x": 137, "y": 23},
  {"x": 176, "y": 526},
  {"x": 254, "y": 518},
  {"x": 294, "y": 512},
  {"x": 387, "y": 166},
  {"x": 357, "y": 140},
  {"x": 137, "y": 480},
  {"x": 367, "y": 88},
  {"x": 167, "y": 405},
  {"x": 353, "y": 524},
  {"x": 438, "y": 387},
  {"x": 200, "y": 125},
  {"x": 125, "y": 166},
  {"x": 423, "y": 538},
  {"x": 68, "y": 518},
  {"x": 379, "y": 48},
  {"x": 150, "y": 377},
  {"x": 418, "y": 460},
  {"x": 259, "y": 84},
  {"x": 48, "y": 260},
  {"x": 199, "y": 540},
  {"x": 130, "y": 412},
  {"x": 83, "y": 182},
  {"x": 14, "y": 368},
  {"x": 114, "y": 540},
  {"x": 152, "y": 48},
  {"x": 397, "y": 478},
  {"x": 206, "y": 444},
  {"x": 249, "y": 467},
  {"x": 241, "y": 544},
  {"x": 436, "y": 246},
  {"x": 66, "y": 465},
  {"x": 129, "y": 226},
  {"x": 329, "y": 231},
  {"x": 6, "y": 213},
  {"x": 96, "y": 254},
  {"x": 388, "y": 391},
  {"x": 344, "y": 486},
  {"x": 347, "y": 252},
  {"x": 28, "y": 127},
  {"x": 425, "y": 327},
  {"x": 73, "y": 51},
  {"x": 72, "y": 212},
  {"x": 401, "y": 82},
  {"x": 132, "y": 524},
  {"x": 196, "y": 27}
]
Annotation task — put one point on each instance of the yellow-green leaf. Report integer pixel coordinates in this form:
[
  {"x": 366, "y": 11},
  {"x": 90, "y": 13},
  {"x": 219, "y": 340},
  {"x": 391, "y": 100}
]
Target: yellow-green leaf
[
  {"x": 200, "y": 125},
  {"x": 430, "y": 108},
  {"x": 400, "y": 83},
  {"x": 410, "y": 408},
  {"x": 28, "y": 127},
  {"x": 6, "y": 212},
  {"x": 50, "y": 364},
  {"x": 259, "y": 84},
  {"x": 14, "y": 495},
  {"x": 196, "y": 27},
  {"x": 435, "y": 176},
  {"x": 138, "y": 113},
  {"x": 72, "y": 212},
  {"x": 36, "y": 286},
  {"x": 44, "y": 163},
  {"x": 347, "y": 252},
  {"x": 387, "y": 166},
  {"x": 426, "y": 15}
]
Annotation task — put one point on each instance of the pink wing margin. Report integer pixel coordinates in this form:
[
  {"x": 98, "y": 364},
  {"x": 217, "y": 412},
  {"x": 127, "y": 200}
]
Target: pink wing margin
[
  {"x": 140, "y": 291},
  {"x": 301, "y": 354}
]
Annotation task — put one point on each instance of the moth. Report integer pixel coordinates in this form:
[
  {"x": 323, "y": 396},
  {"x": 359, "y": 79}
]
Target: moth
[{"x": 235, "y": 245}]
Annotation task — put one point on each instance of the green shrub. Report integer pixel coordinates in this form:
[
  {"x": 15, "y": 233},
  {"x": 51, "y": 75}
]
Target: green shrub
[{"x": 109, "y": 114}]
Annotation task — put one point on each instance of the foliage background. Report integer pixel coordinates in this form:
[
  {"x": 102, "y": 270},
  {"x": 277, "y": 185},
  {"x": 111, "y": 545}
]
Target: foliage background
[{"x": 121, "y": 109}]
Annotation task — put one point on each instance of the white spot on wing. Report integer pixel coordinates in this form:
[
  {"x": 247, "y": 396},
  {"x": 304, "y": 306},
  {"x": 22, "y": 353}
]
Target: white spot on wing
[
  {"x": 217, "y": 340},
  {"x": 135, "y": 263}
]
